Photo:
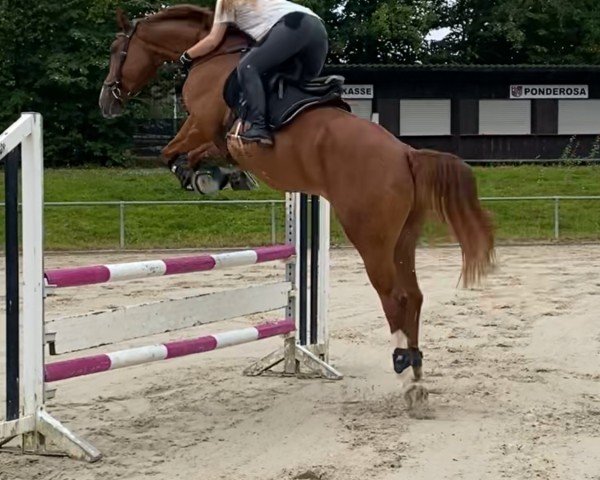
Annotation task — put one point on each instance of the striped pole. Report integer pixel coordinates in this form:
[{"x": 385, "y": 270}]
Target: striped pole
[
  {"x": 80, "y": 367},
  {"x": 80, "y": 276}
]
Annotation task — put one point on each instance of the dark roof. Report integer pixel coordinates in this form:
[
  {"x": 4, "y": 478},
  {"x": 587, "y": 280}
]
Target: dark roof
[{"x": 464, "y": 68}]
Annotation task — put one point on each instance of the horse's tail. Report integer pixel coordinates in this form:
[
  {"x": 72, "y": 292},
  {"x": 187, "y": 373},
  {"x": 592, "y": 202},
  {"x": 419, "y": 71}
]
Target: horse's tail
[{"x": 446, "y": 185}]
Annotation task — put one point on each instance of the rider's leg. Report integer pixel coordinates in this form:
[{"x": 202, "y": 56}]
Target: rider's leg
[
  {"x": 313, "y": 56},
  {"x": 291, "y": 35}
]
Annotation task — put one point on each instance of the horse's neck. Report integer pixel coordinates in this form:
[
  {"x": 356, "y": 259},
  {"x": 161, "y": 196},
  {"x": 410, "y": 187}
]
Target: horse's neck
[
  {"x": 232, "y": 43},
  {"x": 169, "y": 39}
]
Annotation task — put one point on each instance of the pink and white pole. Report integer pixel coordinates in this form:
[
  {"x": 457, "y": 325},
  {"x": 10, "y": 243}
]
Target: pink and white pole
[
  {"x": 80, "y": 276},
  {"x": 84, "y": 366}
]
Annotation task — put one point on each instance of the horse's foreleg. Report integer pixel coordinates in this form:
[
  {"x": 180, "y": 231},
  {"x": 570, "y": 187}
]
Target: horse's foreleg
[
  {"x": 186, "y": 151},
  {"x": 181, "y": 144},
  {"x": 199, "y": 155}
]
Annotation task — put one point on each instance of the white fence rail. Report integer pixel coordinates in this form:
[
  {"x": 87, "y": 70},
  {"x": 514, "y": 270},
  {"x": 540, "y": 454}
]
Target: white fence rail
[
  {"x": 555, "y": 199},
  {"x": 274, "y": 205}
]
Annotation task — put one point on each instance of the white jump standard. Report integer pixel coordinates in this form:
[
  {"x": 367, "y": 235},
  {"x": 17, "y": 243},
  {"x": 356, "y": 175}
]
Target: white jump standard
[{"x": 304, "y": 294}]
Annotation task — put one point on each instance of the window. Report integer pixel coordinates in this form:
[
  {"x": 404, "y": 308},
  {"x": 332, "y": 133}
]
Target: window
[
  {"x": 424, "y": 117},
  {"x": 579, "y": 117},
  {"x": 504, "y": 117},
  {"x": 361, "y": 108}
]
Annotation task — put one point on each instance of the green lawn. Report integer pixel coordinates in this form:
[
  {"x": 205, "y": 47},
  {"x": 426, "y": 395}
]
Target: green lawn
[{"x": 220, "y": 226}]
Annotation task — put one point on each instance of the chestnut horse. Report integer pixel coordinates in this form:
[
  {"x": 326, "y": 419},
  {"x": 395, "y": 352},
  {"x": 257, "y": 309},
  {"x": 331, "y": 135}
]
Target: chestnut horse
[{"x": 380, "y": 188}]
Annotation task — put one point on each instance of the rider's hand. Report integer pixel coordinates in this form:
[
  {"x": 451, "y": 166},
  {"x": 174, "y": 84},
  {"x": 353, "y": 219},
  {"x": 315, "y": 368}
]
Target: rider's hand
[{"x": 186, "y": 60}]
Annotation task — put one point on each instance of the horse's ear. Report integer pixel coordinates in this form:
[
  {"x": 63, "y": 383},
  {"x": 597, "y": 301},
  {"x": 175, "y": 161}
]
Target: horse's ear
[{"x": 122, "y": 21}]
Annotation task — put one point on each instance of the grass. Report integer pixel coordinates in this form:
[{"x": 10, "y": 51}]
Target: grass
[
  {"x": 226, "y": 226},
  {"x": 534, "y": 220}
]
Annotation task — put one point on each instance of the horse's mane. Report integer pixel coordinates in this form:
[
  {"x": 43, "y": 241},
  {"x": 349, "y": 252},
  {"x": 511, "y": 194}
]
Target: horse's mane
[{"x": 182, "y": 12}]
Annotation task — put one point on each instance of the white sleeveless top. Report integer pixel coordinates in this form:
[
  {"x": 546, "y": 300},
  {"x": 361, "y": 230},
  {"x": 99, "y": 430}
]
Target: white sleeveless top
[{"x": 256, "y": 19}]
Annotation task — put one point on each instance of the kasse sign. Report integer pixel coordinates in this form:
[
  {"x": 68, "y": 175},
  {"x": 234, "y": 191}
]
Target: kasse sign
[
  {"x": 549, "y": 91},
  {"x": 358, "y": 91}
]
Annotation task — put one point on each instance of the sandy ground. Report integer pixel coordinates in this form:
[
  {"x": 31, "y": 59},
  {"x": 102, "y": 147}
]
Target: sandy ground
[{"x": 513, "y": 368}]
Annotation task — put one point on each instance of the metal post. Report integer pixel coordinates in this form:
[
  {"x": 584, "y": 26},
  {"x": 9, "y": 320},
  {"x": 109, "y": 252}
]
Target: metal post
[
  {"x": 315, "y": 213},
  {"x": 175, "y": 112},
  {"x": 557, "y": 218},
  {"x": 273, "y": 224},
  {"x": 11, "y": 182},
  {"x": 303, "y": 254},
  {"x": 122, "y": 225}
]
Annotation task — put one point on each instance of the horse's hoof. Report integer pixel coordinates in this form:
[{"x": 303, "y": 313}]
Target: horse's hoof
[
  {"x": 418, "y": 373},
  {"x": 416, "y": 397}
]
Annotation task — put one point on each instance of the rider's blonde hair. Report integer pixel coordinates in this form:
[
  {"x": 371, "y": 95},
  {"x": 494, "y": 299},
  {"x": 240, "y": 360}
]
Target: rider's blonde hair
[{"x": 229, "y": 5}]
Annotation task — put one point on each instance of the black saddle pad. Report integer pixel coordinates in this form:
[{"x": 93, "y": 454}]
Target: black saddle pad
[{"x": 286, "y": 99}]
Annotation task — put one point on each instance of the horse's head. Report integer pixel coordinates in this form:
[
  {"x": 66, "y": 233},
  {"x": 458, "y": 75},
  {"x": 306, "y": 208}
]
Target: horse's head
[{"x": 142, "y": 46}]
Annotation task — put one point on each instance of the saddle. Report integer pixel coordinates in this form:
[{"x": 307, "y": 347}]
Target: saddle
[{"x": 287, "y": 95}]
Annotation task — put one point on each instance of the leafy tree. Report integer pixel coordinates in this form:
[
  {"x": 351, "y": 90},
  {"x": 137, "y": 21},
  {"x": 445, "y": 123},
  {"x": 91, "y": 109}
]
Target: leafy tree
[
  {"x": 521, "y": 31},
  {"x": 54, "y": 58},
  {"x": 54, "y": 55},
  {"x": 378, "y": 31}
]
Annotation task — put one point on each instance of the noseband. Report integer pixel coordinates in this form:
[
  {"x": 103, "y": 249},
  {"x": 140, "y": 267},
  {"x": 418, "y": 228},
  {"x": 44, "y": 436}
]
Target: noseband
[{"x": 115, "y": 85}]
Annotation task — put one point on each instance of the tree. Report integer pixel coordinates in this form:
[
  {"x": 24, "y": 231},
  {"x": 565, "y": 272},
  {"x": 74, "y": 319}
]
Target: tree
[
  {"x": 521, "y": 31},
  {"x": 378, "y": 31},
  {"x": 54, "y": 58}
]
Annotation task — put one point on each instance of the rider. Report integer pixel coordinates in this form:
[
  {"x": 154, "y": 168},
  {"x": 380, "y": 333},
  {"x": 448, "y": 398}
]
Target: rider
[{"x": 282, "y": 30}]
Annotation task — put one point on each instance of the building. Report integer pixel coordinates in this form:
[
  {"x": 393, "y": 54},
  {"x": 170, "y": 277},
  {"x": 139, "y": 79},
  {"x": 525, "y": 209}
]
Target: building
[{"x": 482, "y": 111}]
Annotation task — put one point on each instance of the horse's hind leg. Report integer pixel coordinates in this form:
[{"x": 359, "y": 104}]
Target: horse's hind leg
[
  {"x": 407, "y": 324},
  {"x": 386, "y": 241},
  {"x": 376, "y": 238}
]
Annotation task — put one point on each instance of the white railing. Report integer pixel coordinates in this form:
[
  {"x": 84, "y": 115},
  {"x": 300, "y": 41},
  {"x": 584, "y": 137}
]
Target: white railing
[
  {"x": 555, "y": 199},
  {"x": 29, "y": 419},
  {"x": 276, "y": 205}
]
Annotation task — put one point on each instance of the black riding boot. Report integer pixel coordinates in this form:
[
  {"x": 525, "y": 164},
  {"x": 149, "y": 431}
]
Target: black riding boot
[
  {"x": 258, "y": 132},
  {"x": 256, "y": 106}
]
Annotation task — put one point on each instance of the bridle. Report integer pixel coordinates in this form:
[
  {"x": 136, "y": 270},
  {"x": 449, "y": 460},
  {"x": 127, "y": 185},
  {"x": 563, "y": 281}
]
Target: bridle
[{"x": 115, "y": 85}]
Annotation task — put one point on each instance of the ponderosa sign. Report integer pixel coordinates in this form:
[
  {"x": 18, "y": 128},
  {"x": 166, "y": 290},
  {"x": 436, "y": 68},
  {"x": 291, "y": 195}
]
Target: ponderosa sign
[{"x": 549, "y": 91}]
